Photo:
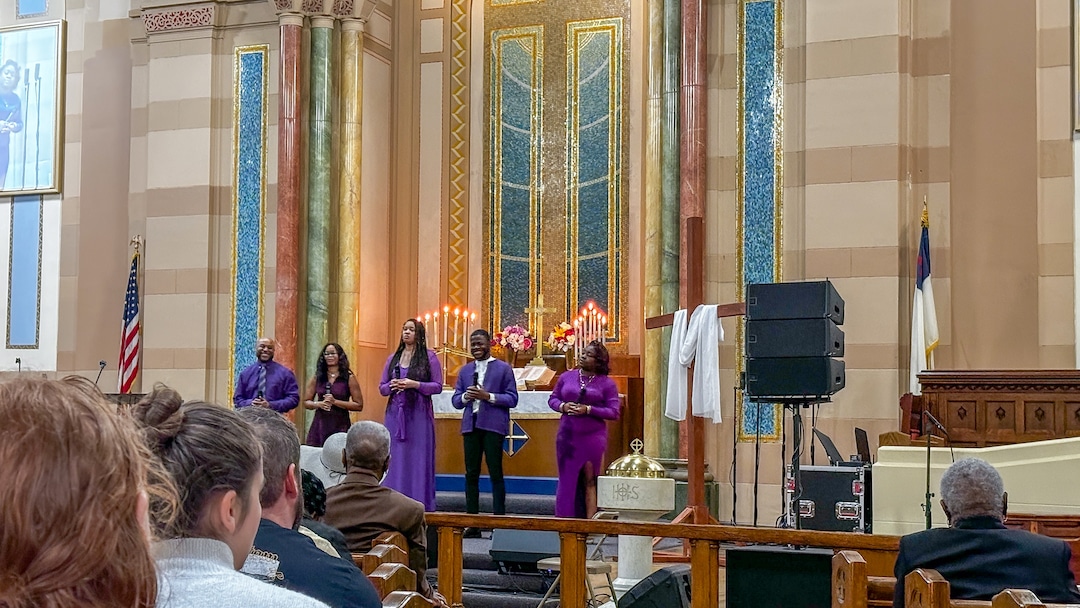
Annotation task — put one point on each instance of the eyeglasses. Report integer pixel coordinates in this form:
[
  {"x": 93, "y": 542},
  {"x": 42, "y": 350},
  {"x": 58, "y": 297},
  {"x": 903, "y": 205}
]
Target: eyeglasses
[{"x": 330, "y": 354}]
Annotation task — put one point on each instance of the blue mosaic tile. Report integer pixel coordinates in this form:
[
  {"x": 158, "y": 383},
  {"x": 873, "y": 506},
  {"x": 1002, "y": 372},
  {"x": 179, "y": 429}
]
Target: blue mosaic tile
[
  {"x": 760, "y": 207},
  {"x": 248, "y": 214}
]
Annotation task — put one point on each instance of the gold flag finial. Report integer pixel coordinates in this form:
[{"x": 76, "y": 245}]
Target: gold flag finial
[
  {"x": 136, "y": 242},
  {"x": 925, "y": 214}
]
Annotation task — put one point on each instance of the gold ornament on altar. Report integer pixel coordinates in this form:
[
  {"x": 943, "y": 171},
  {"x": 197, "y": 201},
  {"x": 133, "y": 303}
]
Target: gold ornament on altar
[{"x": 637, "y": 465}]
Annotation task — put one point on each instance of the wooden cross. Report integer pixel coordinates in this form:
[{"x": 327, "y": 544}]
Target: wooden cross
[
  {"x": 696, "y": 511},
  {"x": 538, "y": 327}
]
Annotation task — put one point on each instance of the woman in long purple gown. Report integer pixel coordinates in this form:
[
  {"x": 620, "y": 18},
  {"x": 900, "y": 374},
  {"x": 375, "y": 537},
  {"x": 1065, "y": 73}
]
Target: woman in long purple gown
[
  {"x": 587, "y": 398},
  {"x": 411, "y": 376},
  {"x": 332, "y": 392}
]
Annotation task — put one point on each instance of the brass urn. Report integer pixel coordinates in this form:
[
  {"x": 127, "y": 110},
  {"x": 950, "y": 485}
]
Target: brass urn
[{"x": 637, "y": 465}]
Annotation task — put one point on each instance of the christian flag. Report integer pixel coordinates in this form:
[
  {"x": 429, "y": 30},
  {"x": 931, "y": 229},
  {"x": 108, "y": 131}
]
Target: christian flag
[
  {"x": 129, "y": 332},
  {"x": 924, "y": 330}
]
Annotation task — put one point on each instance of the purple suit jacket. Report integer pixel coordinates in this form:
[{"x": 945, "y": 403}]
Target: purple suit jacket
[
  {"x": 499, "y": 381},
  {"x": 282, "y": 392}
]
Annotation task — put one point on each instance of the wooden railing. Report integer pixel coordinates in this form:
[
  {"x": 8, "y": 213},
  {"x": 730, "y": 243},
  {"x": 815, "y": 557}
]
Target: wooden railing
[{"x": 879, "y": 550}]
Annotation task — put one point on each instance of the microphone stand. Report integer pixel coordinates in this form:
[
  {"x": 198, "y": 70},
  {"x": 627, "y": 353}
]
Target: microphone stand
[
  {"x": 927, "y": 506},
  {"x": 37, "y": 129},
  {"x": 101, "y": 368},
  {"x": 18, "y": 361}
]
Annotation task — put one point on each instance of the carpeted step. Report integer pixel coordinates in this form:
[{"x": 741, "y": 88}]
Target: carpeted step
[{"x": 516, "y": 504}]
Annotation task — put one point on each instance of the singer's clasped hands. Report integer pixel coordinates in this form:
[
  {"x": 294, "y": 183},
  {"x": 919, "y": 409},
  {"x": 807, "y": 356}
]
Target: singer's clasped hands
[
  {"x": 400, "y": 384},
  {"x": 574, "y": 409}
]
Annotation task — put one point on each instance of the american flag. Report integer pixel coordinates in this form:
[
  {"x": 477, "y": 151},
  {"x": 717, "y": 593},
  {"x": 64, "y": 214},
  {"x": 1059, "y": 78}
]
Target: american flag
[{"x": 129, "y": 333}]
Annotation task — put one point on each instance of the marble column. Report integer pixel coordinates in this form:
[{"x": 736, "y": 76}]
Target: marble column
[
  {"x": 287, "y": 272},
  {"x": 654, "y": 108},
  {"x": 316, "y": 329},
  {"x": 346, "y": 266},
  {"x": 669, "y": 270}
]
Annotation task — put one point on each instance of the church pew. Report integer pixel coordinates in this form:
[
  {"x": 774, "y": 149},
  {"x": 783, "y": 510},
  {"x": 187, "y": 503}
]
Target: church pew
[
  {"x": 405, "y": 599},
  {"x": 392, "y": 538},
  {"x": 378, "y": 555},
  {"x": 852, "y": 588},
  {"x": 388, "y": 578}
]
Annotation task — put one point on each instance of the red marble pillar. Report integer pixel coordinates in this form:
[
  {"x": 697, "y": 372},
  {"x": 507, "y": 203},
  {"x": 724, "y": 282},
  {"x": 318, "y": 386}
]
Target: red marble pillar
[
  {"x": 692, "y": 113},
  {"x": 288, "y": 207}
]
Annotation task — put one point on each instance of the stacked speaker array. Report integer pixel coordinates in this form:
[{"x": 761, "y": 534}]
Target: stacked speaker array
[{"x": 793, "y": 341}]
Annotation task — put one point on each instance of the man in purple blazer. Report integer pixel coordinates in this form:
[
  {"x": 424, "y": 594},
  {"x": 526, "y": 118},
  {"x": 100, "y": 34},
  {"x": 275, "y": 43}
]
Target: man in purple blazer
[
  {"x": 486, "y": 390},
  {"x": 266, "y": 383}
]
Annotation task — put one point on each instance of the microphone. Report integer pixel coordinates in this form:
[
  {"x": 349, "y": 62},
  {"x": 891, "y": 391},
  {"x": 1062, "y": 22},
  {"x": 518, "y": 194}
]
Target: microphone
[
  {"x": 37, "y": 71},
  {"x": 581, "y": 395},
  {"x": 18, "y": 361},
  {"x": 101, "y": 368},
  {"x": 934, "y": 421},
  {"x": 476, "y": 378},
  {"x": 397, "y": 376}
]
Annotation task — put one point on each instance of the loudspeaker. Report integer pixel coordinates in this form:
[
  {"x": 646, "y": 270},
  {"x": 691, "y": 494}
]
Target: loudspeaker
[
  {"x": 523, "y": 547},
  {"x": 794, "y": 338},
  {"x": 666, "y": 588},
  {"x": 807, "y": 300},
  {"x": 794, "y": 376},
  {"x": 778, "y": 577}
]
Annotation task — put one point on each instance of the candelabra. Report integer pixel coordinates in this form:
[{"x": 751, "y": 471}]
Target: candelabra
[
  {"x": 448, "y": 333},
  {"x": 591, "y": 324}
]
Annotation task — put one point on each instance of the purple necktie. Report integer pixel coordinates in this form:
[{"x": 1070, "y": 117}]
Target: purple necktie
[{"x": 262, "y": 381}]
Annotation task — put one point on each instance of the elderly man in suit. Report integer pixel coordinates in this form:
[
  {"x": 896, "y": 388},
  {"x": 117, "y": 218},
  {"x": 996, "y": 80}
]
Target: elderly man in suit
[
  {"x": 363, "y": 509},
  {"x": 977, "y": 554},
  {"x": 486, "y": 390}
]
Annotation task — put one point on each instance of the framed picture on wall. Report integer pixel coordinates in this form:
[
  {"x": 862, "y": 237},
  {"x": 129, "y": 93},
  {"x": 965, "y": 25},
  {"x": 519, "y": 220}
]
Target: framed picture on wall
[{"x": 31, "y": 108}]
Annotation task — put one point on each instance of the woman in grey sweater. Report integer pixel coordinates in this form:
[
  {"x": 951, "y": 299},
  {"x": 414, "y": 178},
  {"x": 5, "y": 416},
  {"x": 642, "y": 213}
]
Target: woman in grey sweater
[{"x": 213, "y": 455}]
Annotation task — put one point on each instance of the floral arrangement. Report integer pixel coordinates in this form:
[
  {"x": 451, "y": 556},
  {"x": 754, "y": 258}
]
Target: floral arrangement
[
  {"x": 562, "y": 338},
  {"x": 514, "y": 337}
]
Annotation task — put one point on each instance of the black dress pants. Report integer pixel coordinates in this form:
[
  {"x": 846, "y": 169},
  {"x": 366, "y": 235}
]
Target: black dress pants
[{"x": 480, "y": 443}]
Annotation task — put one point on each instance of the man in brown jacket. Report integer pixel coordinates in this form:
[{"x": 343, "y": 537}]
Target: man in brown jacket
[{"x": 362, "y": 509}]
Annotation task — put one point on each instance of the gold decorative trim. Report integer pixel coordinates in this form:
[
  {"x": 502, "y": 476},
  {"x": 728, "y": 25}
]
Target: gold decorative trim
[{"x": 457, "y": 275}]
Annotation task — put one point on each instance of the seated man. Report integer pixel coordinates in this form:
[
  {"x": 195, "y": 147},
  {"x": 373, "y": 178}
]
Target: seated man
[
  {"x": 976, "y": 553},
  {"x": 362, "y": 509},
  {"x": 281, "y": 555}
]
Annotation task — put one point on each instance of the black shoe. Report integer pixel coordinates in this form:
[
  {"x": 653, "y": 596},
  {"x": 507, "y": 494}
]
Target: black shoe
[{"x": 471, "y": 533}]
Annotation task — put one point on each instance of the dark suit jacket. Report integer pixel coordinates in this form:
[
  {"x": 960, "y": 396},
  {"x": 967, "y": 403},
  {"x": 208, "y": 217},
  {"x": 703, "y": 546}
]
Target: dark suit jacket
[
  {"x": 362, "y": 509},
  {"x": 980, "y": 558},
  {"x": 499, "y": 381}
]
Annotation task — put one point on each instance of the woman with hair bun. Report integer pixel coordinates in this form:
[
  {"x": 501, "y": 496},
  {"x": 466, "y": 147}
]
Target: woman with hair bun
[
  {"x": 212, "y": 454},
  {"x": 74, "y": 528}
]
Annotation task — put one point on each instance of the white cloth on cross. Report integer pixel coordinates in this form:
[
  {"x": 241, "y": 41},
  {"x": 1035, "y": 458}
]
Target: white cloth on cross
[{"x": 699, "y": 341}]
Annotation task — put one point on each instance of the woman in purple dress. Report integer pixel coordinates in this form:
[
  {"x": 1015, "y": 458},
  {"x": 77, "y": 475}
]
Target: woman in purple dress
[
  {"x": 411, "y": 376},
  {"x": 587, "y": 398},
  {"x": 332, "y": 392}
]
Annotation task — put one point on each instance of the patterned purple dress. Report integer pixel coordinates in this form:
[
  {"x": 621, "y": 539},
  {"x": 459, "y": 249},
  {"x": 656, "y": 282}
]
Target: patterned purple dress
[
  {"x": 581, "y": 439},
  {"x": 410, "y": 418},
  {"x": 336, "y": 420}
]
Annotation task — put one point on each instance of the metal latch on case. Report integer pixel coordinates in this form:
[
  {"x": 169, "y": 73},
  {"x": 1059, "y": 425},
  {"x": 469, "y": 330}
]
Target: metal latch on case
[{"x": 848, "y": 510}]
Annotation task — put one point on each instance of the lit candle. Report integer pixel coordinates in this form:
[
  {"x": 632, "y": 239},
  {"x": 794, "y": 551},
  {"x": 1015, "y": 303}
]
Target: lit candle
[
  {"x": 446, "y": 322},
  {"x": 457, "y": 317},
  {"x": 577, "y": 334}
]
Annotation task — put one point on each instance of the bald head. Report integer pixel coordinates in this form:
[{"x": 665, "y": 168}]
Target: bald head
[
  {"x": 367, "y": 446},
  {"x": 971, "y": 488},
  {"x": 264, "y": 349}
]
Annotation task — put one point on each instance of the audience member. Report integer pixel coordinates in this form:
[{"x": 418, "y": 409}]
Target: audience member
[
  {"x": 74, "y": 526},
  {"x": 212, "y": 454},
  {"x": 312, "y": 526},
  {"x": 977, "y": 554},
  {"x": 282, "y": 555},
  {"x": 362, "y": 509},
  {"x": 326, "y": 462}
]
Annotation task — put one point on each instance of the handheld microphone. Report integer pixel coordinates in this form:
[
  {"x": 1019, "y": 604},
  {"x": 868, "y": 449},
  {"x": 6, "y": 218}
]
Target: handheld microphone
[
  {"x": 476, "y": 378},
  {"x": 397, "y": 376},
  {"x": 101, "y": 368}
]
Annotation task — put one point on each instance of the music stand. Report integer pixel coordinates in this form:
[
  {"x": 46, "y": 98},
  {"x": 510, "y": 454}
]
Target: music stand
[{"x": 830, "y": 448}]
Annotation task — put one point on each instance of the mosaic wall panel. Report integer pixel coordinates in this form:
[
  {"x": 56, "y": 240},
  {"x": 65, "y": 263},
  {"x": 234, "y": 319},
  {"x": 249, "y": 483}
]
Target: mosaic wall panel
[
  {"x": 24, "y": 273},
  {"x": 760, "y": 175},
  {"x": 516, "y": 77},
  {"x": 594, "y": 164},
  {"x": 249, "y": 203}
]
